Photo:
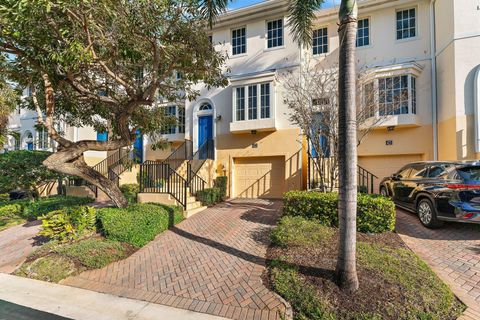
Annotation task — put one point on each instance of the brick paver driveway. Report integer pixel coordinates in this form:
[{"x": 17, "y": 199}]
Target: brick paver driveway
[
  {"x": 452, "y": 251},
  {"x": 211, "y": 263}
]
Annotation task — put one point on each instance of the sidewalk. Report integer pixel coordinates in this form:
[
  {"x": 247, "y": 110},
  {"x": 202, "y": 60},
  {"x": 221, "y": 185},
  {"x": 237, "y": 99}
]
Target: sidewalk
[{"x": 80, "y": 304}]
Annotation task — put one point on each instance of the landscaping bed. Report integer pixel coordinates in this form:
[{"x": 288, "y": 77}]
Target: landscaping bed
[
  {"x": 394, "y": 282},
  {"x": 82, "y": 238}
]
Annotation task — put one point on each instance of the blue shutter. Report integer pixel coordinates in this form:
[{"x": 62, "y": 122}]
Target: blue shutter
[{"x": 102, "y": 136}]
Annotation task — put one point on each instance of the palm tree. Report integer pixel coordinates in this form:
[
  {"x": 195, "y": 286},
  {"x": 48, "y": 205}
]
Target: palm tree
[{"x": 302, "y": 14}]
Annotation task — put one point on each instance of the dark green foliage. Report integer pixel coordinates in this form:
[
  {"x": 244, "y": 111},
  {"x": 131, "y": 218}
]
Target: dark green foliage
[
  {"x": 130, "y": 191},
  {"x": 209, "y": 196},
  {"x": 221, "y": 183},
  {"x": 93, "y": 253},
  {"x": 24, "y": 170},
  {"x": 4, "y": 197},
  {"x": 46, "y": 205},
  {"x": 138, "y": 224},
  {"x": 303, "y": 297},
  {"x": 375, "y": 214},
  {"x": 68, "y": 223}
]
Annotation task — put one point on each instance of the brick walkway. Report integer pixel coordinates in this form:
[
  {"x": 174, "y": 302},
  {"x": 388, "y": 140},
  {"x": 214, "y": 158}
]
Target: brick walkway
[
  {"x": 452, "y": 251},
  {"x": 16, "y": 243},
  {"x": 211, "y": 263}
]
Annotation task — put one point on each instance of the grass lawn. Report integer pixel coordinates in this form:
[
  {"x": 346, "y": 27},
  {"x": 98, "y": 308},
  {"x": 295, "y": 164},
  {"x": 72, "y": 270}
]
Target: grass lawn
[
  {"x": 10, "y": 222},
  {"x": 394, "y": 282},
  {"x": 56, "y": 261}
]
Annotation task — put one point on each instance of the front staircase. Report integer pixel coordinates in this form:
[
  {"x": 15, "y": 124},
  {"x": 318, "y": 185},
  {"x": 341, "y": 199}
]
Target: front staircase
[{"x": 176, "y": 180}]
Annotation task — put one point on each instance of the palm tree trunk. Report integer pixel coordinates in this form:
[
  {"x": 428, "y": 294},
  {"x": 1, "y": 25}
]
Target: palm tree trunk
[{"x": 346, "y": 270}]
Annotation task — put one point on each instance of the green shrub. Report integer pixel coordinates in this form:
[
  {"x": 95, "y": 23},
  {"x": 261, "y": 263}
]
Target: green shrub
[
  {"x": 68, "y": 223},
  {"x": 221, "y": 183},
  {"x": 130, "y": 191},
  {"x": 209, "y": 196},
  {"x": 93, "y": 253},
  {"x": 375, "y": 214},
  {"x": 43, "y": 206},
  {"x": 298, "y": 231},
  {"x": 138, "y": 224},
  {"x": 11, "y": 210},
  {"x": 4, "y": 197}
]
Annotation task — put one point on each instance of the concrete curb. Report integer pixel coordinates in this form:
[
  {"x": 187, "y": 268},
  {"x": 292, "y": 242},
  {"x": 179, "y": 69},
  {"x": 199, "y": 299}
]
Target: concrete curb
[{"x": 81, "y": 304}]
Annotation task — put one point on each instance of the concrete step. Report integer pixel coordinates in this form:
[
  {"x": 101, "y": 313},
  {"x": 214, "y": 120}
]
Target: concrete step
[
  {"x": 193, "y": 205},
  {"x": 191, "y": 212}
]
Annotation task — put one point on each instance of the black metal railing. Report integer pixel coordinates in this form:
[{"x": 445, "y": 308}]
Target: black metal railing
[
  {"x": 205, "y": 151},
  {"x": 179, "y": 155},
  {"x": 323, "y": 175},
  {"x": 195, "y": 182},
  {"x": 161, "y": 178}
]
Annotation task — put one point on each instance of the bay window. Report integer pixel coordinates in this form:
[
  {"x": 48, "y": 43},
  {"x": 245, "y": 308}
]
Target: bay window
[{"x": 257, "y": 103}]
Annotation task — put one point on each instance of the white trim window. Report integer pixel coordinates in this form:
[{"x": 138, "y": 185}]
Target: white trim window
[
  {"x": 396, "y": 96},
  {"x": 42, "y": 139},
  {"x": 363, "y": 33},
  {"x": 275, "y": 33},
  {"x": 239, "y": 41},
  {"x": 256, "y": 104},
  {"x": 320, "y": 41},
  {"x": 406, "y": 24},
  {"x": 179, "y": 113}
]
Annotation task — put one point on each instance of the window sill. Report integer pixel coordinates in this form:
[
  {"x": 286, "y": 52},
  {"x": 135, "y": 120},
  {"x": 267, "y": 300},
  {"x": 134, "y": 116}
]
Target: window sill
[
  {"x": 399, "y": 120},
  {"x": 247, "y": 126},
  {"x": 274, "y": 48},
  {"x": 240, "y": 55}
]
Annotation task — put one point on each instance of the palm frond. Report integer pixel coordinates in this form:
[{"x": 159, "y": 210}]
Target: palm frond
[
  {"x": 211, "y": 9},
  {"x": 300, "y": 19}
]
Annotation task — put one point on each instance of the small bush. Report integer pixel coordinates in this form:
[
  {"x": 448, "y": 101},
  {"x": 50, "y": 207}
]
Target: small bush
[
  {"x": 138, "y": 224},
  {"x": 93, "y": 253},
  {"x": 221, "y": 183},
  {"x": 298, "y": 231},
  {"x": 11, "y": 211},
  {"x": 209, "y": 196},
  {"x": 68, "y": 224},
  {"x": 4, "y": 197},
  {"x": 43, "y": 206},
  {"x": 375, "y": 214},
  {"x": 130, "y": 191}
]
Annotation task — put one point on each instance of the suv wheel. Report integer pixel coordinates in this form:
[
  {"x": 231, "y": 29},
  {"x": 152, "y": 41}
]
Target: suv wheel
[
  {"x": 383, "y": 192},
  {"x": 427, "y": 214}
]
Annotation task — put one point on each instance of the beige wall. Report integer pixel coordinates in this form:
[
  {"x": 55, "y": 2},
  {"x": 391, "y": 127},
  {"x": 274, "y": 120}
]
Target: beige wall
[{"x": 287, "y": 143}]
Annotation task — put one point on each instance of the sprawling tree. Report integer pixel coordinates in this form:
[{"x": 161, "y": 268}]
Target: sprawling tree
[
  {"x": 8, "y": 102},
  {"x": 105, "y": 64}
]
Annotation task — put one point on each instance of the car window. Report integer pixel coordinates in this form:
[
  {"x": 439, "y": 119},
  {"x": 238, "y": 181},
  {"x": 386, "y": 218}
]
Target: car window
[
  {"x": 469, "y": 173},
  {"x": 418, "y": 171},
  {"x": 404, "y": 172},
  {"x": 438, "y": 171}
]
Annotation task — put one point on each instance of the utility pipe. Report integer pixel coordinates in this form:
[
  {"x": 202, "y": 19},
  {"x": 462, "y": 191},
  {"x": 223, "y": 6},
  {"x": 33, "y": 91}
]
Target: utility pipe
[{"x": 433, "y": 59}]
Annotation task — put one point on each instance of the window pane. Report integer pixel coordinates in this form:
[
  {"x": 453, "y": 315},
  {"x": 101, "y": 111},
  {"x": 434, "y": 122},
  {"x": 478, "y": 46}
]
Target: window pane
[
  {"x": 320, "y": 41},
  {"x": 406, "y": 24},
  {"x": 240, "y": 103},
  {"x": 239, "y": 41},
  {"x": 252, "y": 102},
  {"x": 265, "y": 100},
  {"x": 363, "y": 33},
  {"x": 275, "y": 33}
]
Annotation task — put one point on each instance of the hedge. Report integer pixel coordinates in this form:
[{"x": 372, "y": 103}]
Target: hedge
[
  {"x": 138, "y": 224},
  {"x": 221, "y": 183},
  {"x": 130, "y": 191},
  {"x": 209, "y": 196},
  {"x": 375, "y": 214},
  {"x": 45, "y": 205}
]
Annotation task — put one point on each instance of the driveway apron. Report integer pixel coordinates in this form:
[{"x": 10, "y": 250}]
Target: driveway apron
[{"x": 212, "y": 262}]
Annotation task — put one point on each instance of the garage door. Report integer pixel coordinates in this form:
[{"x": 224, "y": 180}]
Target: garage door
[
  {"x": 384, "y": 166},
  {"x": 262, "y": 177}
]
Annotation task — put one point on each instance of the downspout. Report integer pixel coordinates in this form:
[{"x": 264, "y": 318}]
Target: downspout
[
  {"x": 433, "y": 60},
  {"x": 476, "y": 108}
]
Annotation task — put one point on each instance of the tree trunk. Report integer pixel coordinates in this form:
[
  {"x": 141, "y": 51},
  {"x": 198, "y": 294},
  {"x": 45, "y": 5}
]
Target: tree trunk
[
  {"x": 346, "y": 271},
  {"x": 59, "y": 162}
]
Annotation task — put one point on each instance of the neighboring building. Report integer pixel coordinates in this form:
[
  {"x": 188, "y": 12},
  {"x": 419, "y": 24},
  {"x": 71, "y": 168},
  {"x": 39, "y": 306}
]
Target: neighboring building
[{"x": 420, "y": 57}]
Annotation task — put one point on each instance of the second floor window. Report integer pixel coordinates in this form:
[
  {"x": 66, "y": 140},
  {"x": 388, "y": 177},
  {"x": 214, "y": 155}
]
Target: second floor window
[
  {"x": 396, "y": 95},
  {"x": 363, "y": 33},
  {"x": 239, "y": 41},
  {"x": 406, "y": 24},
  {"x": 42, "y": 139},
  {"x": 177, "y": 112},
  {"x": 275, "y": 33},
  {"x": 320, "y": 41},
  {"x": 256, "y": 105}
]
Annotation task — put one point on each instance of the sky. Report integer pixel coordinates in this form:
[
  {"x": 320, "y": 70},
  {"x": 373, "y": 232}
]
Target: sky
[{"x": 243, "y": 3}]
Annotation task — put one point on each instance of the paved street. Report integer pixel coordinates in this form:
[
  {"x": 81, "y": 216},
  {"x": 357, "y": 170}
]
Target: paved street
[
  {"x": 16, "y": 243},
  {"x": 211, "y": 263},
  {"x": 452, "y": 251}
]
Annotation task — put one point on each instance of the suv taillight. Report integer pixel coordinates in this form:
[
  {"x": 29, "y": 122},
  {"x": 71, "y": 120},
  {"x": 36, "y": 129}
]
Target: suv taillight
[{"x": 463, "y": 186}]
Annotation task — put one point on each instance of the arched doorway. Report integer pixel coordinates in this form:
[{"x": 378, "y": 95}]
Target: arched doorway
[{"x": 204, "y": 129}]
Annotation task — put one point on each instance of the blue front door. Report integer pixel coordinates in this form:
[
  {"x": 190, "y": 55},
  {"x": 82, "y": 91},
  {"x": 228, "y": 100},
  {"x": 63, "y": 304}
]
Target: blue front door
[
  {"x": 138, "y": 147},
  {"x": 30, "y": 146},
  {"x": 205, "y": 133}
]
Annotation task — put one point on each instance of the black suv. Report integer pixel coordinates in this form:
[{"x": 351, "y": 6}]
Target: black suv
[{"x": 437, "y": 191}]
